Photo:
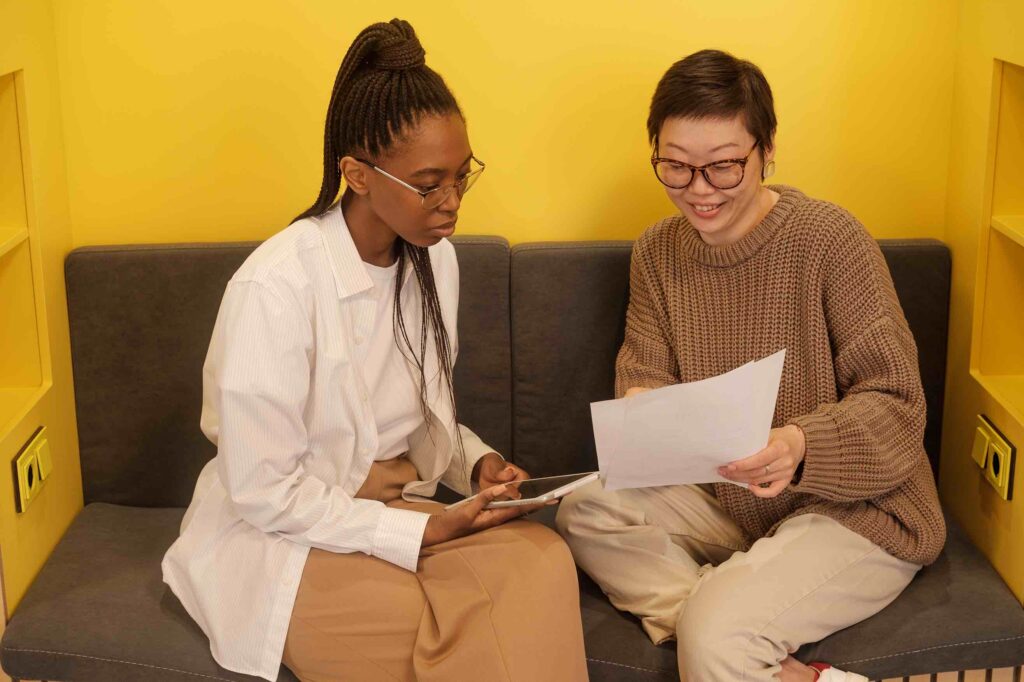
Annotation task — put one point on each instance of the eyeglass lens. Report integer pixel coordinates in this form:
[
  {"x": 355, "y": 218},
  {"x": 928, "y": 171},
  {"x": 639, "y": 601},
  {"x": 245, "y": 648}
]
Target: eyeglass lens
[{"x": 719, "y": 175}]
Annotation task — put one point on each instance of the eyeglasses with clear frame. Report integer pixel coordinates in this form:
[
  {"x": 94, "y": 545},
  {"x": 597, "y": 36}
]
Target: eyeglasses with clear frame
[
  {"x": 433, "y": 198},
  {"x": 724, "y": 174}
]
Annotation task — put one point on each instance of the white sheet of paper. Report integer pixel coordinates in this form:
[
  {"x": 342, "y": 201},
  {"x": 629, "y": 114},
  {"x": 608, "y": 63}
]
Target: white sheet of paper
[{"x": 683, "y": 433}]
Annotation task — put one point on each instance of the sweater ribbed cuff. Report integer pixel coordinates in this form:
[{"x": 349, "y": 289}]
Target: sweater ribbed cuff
[{"x": 823, "y": 472}]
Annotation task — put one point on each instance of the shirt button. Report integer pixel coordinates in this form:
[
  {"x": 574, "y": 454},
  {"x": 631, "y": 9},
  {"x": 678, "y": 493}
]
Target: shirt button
[{"x": 359, "y": 340}]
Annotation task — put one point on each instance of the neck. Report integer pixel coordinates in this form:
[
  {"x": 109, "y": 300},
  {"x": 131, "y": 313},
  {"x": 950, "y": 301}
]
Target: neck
[
  {"x": 374, "y": 240},
  {"x": 766, "y": 199}
]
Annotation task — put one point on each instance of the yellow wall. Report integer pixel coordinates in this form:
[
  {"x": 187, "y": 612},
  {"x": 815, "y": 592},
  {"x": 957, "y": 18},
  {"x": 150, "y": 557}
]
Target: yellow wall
[
  {"x": 988, "y": 31},
  {"x": 187, "y": 120},
  {"x": 193, "y": 120},
  {"x": 27, "y": 45}
]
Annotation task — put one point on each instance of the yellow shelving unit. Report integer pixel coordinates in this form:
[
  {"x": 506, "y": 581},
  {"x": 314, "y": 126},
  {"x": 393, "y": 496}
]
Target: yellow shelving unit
[
  {"x": 997, "y": 349},
  {"x": 24, "y": 352}
]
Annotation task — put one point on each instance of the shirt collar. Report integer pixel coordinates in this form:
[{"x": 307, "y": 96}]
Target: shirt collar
[{"x": 350, "y": 275}]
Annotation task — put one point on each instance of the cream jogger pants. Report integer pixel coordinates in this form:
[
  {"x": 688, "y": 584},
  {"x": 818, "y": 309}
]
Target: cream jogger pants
[{"x": 673, "y": 557}]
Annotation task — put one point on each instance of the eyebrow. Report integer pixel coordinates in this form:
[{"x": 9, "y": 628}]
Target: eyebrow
[
  {"x": 712, "y": 151},
  {"x": 438, "y": 171}
]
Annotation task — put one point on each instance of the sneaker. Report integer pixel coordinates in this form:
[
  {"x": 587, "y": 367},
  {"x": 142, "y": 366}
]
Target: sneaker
[{"x": 827, "y": 673}]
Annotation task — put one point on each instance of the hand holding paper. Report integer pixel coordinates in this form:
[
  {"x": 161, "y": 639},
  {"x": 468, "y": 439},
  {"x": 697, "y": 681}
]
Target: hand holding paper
[{"x": 684, "y": 433}]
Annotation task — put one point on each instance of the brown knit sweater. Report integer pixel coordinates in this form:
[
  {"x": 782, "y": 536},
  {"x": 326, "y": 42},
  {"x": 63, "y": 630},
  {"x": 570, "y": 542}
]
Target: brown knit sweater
[{"x": 810, "y": 279}]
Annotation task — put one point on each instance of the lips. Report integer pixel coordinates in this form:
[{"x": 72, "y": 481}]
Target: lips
[
  {"x": 706, "y": 210},
  {"x": 444, "y": 231}
]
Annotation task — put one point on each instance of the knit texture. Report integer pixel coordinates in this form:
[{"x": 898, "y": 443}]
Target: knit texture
[{"x": 810, "y": 279}]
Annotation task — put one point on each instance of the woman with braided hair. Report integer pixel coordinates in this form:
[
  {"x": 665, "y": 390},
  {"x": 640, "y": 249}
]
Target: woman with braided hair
[{"x": 328, "y": 392}]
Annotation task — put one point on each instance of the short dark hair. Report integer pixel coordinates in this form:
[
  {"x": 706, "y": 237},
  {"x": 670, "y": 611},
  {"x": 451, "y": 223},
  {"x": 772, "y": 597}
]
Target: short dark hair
[{"x": 715, "y": 84}]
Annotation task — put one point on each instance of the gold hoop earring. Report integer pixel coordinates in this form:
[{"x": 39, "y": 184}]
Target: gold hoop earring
[{"x": 768, "y": 170}]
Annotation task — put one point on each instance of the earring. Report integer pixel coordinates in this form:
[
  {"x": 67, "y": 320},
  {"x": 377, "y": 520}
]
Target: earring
[{"x": 768, "y": 170}]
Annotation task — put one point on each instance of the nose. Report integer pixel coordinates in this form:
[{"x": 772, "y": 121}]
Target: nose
[
  {"x": 451, "y": 203},
  {"x": 700, "y": 185}
]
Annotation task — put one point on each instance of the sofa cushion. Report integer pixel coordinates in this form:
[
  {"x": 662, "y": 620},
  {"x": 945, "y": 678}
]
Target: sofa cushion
[
  {"x": 99, "y": 611},
  {"x": 568, "y": 315},
  {"x": 141, "y": 319},
  {"x": 957, "y": 614}
]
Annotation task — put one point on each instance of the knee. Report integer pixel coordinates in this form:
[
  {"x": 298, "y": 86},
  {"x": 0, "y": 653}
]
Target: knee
[
  {"x": 543, "y": 552},
  {"x": 577, "y": 510},
  {"x": 710, "y": 640}
]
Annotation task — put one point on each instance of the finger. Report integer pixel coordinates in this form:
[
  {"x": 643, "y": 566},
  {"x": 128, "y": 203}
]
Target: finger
[
  {"x": 778, "y": 462},
  {"x": 774, "y": 476},
  {"x": 488, "y": 518},
  {"x": 771, "y": 491},
  {"x": 486, "y": 497},
  {"x": 776, "y": 471},
  {"x": 767, "y": 455},
  {"x": 508, "y": 473},
  {"x": 498, "y": 515}
]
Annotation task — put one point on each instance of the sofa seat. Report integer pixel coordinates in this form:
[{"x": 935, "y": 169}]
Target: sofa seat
[{"x": 100, "y": 611}]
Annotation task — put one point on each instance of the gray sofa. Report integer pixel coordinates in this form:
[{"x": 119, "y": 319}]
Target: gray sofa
[{"x": 540, "y": 325}]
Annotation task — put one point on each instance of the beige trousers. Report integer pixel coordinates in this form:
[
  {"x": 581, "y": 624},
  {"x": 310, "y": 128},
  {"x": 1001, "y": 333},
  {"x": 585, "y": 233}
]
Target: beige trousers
[
  {"x": 499, "y": 605},
  {"x": 674, "y": 558}
]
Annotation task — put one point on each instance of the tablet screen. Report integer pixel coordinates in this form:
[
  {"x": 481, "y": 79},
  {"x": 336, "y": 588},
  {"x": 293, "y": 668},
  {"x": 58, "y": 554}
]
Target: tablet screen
[{"x": 535, "y": 487}]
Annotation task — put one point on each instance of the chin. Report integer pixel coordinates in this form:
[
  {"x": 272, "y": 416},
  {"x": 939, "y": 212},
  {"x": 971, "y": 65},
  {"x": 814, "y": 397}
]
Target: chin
[{"x": 424, "y": 241}]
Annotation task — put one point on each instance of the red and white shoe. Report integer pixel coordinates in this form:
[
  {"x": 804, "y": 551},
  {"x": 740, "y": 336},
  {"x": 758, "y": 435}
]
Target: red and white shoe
[{"x": 827, "y": 673}]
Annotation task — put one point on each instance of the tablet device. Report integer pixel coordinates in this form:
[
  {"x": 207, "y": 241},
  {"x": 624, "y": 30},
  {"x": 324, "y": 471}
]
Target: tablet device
[{"x": 539, "y": 490}]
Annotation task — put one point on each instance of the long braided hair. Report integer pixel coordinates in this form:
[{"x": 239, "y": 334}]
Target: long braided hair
[{"x": 383, "y": 88}]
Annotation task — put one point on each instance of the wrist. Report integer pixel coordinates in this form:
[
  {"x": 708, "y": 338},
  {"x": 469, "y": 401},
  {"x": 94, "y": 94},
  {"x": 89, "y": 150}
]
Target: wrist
[{"x": 478, "y": 467}]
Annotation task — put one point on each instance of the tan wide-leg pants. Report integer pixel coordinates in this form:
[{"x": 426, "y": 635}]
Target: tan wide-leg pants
[
  {"x": 673, "y": 557},
  {"x": 499, "y": 605}
]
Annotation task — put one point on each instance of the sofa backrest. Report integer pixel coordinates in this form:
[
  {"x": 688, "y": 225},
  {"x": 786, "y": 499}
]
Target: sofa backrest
[
  {"x": 141, "y": 318},
  {"x": 568, "y": 314}
]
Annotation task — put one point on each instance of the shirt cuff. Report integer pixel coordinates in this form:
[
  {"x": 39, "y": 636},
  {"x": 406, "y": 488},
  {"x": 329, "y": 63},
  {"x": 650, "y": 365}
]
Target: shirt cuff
[{"x": 399, "y": 537}]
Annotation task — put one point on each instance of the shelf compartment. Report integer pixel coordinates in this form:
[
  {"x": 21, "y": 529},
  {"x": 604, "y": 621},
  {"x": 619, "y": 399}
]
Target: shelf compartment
[
  {"x": 997, "y": 354},
  {"x": 24, "y": 361},
  {"x": 10, "y": 238},
  {"x": 1011, "y": 226}
]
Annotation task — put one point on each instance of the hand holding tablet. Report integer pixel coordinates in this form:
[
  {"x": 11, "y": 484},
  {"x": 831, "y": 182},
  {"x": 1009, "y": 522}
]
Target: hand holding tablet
[{"x": 534, "y": 491}]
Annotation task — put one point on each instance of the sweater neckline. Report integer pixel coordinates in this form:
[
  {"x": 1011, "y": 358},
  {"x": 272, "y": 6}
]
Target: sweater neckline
[{"x": 752, "y": 242}]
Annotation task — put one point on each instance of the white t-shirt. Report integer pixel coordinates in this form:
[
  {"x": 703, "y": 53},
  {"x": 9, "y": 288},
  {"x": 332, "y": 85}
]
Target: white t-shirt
[{"x": 390, "y": 380}]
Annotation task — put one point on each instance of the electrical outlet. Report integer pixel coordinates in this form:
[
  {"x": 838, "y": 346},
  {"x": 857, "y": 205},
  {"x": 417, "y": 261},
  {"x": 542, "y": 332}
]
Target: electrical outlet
[
  {"x": 998, "y": 458},
  {"x": 26, "y": 478},
  {"x": 31, "y": 468}
]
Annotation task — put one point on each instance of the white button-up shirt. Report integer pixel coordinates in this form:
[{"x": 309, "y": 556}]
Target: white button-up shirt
[{"x": 286, "y": 404}]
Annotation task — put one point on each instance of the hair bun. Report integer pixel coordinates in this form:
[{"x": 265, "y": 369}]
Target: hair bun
[{"x": 400, "y": 50}]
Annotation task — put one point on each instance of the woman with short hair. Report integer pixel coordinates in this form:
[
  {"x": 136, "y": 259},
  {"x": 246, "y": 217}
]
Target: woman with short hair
[{"x": 831, "y": 520}]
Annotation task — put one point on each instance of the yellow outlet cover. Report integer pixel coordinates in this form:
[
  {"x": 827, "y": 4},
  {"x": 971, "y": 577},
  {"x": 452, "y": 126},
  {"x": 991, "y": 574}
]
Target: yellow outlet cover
[
  {"x": 26, "y": 478},
  {"x": 43, "y": 455},
  {"x": 979, "y": 452},
  {"x": 31, "y": 467},
  {"x": 998, "y": 458}
]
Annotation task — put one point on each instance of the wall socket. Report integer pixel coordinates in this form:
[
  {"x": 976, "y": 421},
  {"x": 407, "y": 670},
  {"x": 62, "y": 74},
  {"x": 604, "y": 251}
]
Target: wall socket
[
  {"x": 32, "y": 466},
  {"x": 995, "y": 455}
]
